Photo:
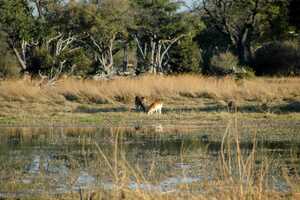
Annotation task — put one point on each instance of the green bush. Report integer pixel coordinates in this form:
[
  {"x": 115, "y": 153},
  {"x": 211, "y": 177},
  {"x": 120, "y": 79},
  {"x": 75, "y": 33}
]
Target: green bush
[
  {"x": 40, "y": 60},
  {"x": 223, "y": 63},
  {"x": 185, "y": 57},
  {"x": 277, "y": 58},
  {"x": 81, "y": 61},
  {"x": 9, "y": 66},
  {"x": 245, "y": 72}
]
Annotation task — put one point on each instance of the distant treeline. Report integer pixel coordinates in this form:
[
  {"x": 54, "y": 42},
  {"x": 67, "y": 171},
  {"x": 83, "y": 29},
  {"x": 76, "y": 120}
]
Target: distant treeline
[{"x": 106, "y": 37}]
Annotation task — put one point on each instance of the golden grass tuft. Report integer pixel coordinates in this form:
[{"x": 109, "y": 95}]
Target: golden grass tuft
[{"x": 163, "y": 87}]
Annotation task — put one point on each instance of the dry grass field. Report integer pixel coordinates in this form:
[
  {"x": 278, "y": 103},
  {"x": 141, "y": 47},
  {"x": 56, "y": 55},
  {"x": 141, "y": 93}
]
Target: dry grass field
[
  {"x": 123, "y": 90},
  {"x": 186, "y": 97}
]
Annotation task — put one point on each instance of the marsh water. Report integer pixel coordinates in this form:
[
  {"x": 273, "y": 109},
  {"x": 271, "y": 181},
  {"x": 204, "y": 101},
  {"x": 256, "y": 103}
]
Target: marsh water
[{"x": 58, "y": 160}]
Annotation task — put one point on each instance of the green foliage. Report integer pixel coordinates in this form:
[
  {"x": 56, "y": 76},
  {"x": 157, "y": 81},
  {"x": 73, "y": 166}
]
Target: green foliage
[
  {"x": 8, "y": 63},
  {"x": 105, "y": 28},
  {"x": 273, "y": 22},
  {"x": 37, "y": 32},
  {"x": 76, "y": 61},
  {"x": 246, "y": 22},
  {"x": 80, "y": 62},
  {"x": 245, "y": 72},
  {"x": 278, "y": 58},
  {"x": 227, "y": 63},
  {"x": 156, "y": 17},
  {"x": 211, "y": 41},
  {"x": 8, "y": 66},
  {"x": 41, "y": 59},
  {"x": 185, "y": 57},
  {"x": 16, "y": 19},
  {"x": 159, "y": 28}
]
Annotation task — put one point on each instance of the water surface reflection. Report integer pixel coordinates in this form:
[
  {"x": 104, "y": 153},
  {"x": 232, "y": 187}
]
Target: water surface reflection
[{"x": 57, "y": 161}]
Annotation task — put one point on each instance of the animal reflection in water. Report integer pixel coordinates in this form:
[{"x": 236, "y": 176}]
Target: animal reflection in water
[
  {"x": 157, "y": 128},
  {"x": 155, "y": 107}
]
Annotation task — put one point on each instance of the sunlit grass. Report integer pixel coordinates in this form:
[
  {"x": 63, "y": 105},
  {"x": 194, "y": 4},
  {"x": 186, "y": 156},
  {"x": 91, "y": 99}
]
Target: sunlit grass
[{"x": 124, "y": 89}]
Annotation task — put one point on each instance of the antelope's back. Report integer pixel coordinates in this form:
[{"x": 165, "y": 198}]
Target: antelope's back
[{"x": 155, "y": 106}]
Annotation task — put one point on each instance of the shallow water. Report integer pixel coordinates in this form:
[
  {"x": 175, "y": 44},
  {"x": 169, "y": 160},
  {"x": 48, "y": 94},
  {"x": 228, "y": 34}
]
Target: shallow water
[{"x": 55, "y": 161}]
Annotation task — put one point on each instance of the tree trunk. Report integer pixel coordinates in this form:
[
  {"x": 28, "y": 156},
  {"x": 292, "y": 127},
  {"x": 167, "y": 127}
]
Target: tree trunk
[
  {"x": 158, "y": 58},
  {"x": 106, "y": 61},
  {"x": 152, "y": 58},
  {"x": 105, "y": 57},
  {"x": 244, "y": 48},
  {"x": 20, "y": 60},
  {"x": 244, "y": 53},
  {"x": 111, "y": 58},
  {"x": 125, "y": 59}
]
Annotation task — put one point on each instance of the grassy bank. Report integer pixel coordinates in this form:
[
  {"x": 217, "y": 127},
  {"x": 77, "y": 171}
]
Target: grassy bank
[{"x": 187, "y": 98}]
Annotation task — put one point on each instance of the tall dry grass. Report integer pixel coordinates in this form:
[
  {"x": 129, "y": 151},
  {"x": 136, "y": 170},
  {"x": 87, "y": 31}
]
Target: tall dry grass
[{"x": 124, "y": 89}]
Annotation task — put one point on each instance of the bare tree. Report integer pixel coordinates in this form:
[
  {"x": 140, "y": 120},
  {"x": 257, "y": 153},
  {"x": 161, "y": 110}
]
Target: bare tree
[
  {"x": 21, "y": 56},
  {"x": 57, "y": 46},
  {"x": 158, "y": 50},
  {"x": 104, "y": 52}
]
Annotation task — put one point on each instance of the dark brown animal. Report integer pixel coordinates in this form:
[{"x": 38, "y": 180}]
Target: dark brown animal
[
  {"x": 140, "y": 103},
  {"x": 232, "y": 106}
]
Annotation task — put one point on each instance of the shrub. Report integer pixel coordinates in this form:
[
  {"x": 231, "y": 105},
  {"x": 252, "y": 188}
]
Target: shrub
[
  {"x": 244, "y": 72},
  {"x": 8, "y": 66},
  {"x": 211, "y": 41},
  {"x": 277, "y": 58},
  {"x": 223, "y": 63},
  {"x": 185, "y": 57},
  {"x": 82, "y": 62}
]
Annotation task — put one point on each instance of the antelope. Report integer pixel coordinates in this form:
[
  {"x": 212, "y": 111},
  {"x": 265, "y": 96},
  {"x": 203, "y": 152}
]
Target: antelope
[
  {"x": 232, "y": 106},
  {"x": 156, "y": 106},
  {"x": 139, "y": 103}
]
